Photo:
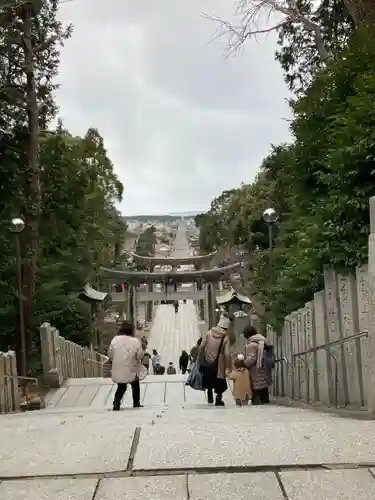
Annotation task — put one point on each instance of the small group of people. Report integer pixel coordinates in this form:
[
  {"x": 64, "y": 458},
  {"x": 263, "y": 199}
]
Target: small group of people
[
  {"x": 154, "y": 359},
  {"x": 183, "y": 363},
  {"x": 250, "y": 372}
]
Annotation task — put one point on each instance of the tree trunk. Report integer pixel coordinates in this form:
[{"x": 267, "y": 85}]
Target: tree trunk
[
  {"x": 362, "y": 11},
  {"x": 33, "y": 189}
]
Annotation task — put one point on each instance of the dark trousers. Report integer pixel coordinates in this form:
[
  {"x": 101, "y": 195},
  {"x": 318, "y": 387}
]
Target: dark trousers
[
  {"x": 121, "y": 389},
  {"x": 240, "y": 402},
  {"x": 219, "y": 386},
  {"x": 260, "y": 397},
  {"x": 183, "y": 368}
]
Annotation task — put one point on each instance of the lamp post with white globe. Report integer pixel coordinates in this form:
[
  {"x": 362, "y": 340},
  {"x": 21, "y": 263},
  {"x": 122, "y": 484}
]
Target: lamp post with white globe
[
  {"x": 270, "y": 217},
  {"x": 17, "y": 227}
]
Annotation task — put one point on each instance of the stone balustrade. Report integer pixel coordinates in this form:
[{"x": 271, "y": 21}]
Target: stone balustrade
[
  {"x": 63, "y": 359},
  {"x": 325, "y": 344},
  {"x": 329, "y": 344},
  {"x": 9, "y": 393}
]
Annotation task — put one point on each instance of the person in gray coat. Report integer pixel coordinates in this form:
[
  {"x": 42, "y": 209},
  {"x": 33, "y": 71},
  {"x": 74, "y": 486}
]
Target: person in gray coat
[{"x": 260, "y": 376}]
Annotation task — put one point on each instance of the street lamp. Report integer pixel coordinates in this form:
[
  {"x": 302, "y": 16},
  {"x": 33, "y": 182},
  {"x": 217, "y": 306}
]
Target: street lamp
[
  {"x": 270, "y": 217},
  {"x": 17, "y": 226}
]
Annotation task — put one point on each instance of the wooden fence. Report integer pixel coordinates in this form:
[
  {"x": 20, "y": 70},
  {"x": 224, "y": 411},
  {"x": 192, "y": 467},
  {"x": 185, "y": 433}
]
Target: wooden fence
[
  {"x": 325, "y": 345},
  {"x": 63, "y": 359},
  {"x": 9, "y": 392}
]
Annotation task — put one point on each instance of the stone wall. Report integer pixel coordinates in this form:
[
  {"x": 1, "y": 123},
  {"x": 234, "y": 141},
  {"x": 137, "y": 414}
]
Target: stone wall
[
  {"x": 63, "y": 359},
  {"x": 9, "y": 393},
  {"x": 329, "y": 344},
  {"x": 325, "y": 344}
]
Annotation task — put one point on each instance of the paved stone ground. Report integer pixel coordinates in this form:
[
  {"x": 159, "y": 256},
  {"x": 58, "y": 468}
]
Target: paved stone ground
[
  {"x": 179, "y": 448},
  {"x": 181, "y": 246},
  {"x": 171, "y": 332},
  {"x": 186, "y": 451},
  {"x": 96, "y": 395}
]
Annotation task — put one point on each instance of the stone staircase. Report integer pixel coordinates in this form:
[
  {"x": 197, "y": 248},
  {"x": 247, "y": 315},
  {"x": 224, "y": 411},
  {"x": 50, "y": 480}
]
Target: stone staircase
[
  {"x": 96, "y": 395},
  {"x": 178, "y": 447}
]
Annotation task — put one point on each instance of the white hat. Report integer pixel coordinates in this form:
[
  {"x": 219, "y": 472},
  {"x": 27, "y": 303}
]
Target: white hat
[
  {"x": 224, "y": 322},
  {"x": 241, "y": 357}
]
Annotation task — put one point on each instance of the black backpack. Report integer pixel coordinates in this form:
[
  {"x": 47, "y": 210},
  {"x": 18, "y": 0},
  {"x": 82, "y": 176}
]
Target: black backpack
[{"x": 269, "y": 359}]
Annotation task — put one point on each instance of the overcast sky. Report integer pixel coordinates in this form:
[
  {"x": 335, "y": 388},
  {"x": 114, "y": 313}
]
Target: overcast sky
[{"x": 180, "y": 122}]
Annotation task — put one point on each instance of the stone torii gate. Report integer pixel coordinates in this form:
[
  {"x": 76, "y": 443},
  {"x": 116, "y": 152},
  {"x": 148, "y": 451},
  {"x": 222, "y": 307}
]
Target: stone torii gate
[
  {"x": 199, "y": 262},
  {"x": 205, "y": 290}
]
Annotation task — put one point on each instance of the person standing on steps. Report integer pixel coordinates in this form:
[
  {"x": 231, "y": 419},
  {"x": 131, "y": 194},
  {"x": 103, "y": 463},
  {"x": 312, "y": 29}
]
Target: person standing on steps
[
  {"x": 126, "y": 354},
  {"x": 156, "y": 360},
  {"x": 260, "y": 372},
  {"x": 146, "y": 360},
  {"x": 184, "y": 361},
  {"x": 241, "y": 382},
  {"x": 214, "y": 360},
  {"x": 171, "y": 370}
]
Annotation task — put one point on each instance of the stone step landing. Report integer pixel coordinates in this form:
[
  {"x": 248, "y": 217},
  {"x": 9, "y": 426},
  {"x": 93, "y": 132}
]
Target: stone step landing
[
  {"x": 98, "y": 393},
  {"x": 186, "y": 452}
]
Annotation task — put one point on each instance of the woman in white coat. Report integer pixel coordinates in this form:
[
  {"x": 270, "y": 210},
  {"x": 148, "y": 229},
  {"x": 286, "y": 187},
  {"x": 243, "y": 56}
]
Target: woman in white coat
[{"x": 126, "y": 354}]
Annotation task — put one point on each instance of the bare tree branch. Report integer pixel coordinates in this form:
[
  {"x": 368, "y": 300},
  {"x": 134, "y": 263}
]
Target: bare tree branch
[{"x": 256, "y": 13}]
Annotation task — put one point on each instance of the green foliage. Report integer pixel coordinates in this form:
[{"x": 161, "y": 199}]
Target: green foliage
[
  {"x": 146, "y": 245},
  {"x": 80, "y": 230},
  {"x": 320, "y": 184},
  {"x": 298, "y": 53},
  {"x": 75, "y": 227}
]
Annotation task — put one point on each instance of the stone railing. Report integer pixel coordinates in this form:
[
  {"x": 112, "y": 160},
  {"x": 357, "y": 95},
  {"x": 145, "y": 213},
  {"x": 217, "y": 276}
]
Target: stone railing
[
  {"x": 63, "y": 359},
  {"x": 325, "y": 345},
  {"x": 329, "y": 344},
  {"x": 9, "y": 392}
]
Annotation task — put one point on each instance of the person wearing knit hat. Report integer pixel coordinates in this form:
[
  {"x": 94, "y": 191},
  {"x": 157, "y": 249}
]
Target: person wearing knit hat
[
  {"x": 224, "y": 322},
  {"x": 214, "y": 360}
]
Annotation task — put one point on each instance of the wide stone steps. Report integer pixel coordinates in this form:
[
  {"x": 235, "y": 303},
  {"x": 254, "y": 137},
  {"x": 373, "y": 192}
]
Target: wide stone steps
[
  {"x": 173, "y": 332},
  {"x": 96, "y": 394},
  {"x": 186, "y": 452}
]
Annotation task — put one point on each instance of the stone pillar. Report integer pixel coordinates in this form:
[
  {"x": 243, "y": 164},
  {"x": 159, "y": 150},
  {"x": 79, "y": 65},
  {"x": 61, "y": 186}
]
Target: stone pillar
[
  {"x": 212, "y": 289},
  {"x": 52, "y": 372},
  {"x": 324, "y": 385},
  {"x": 135, "y": 308},
  {"x": 362, "y": 301},
  {"x": 334, "y": 328},
  {"x": 210, "y": 305},
  {"x": 201, "y": 303},
  {"x": 370, "y": 362},
  {"x": 131, "y": 314},
  {"x": 207, "y": 305},
  {"x": 149, "y": 305},
  {"x": 348, "y": 314}
]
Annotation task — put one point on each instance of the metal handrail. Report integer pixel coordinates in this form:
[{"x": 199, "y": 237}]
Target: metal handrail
[
  {"x": 28, "y": 380},
  {"x": 333, "y": 343},
  {"x": 33, "y": 379},
  {"x": 328, "y": 347}
]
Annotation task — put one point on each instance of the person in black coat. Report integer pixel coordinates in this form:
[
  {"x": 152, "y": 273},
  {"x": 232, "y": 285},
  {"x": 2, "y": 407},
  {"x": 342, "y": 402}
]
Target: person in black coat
[{"x": 184, "y": 361}]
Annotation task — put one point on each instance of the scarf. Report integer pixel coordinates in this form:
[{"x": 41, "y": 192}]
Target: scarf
[{"x": 260, "y": 340}]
